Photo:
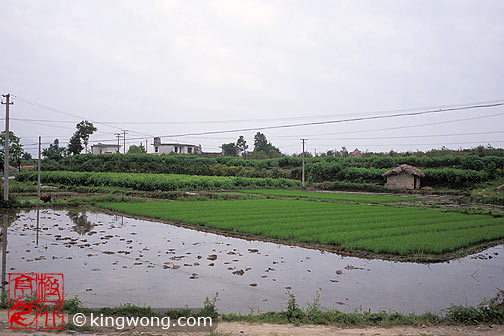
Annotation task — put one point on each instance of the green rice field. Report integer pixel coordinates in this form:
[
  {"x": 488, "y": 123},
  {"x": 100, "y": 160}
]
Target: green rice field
[
  {"x": 367, "y": 198},
  {"x": 375, "y": 228}
]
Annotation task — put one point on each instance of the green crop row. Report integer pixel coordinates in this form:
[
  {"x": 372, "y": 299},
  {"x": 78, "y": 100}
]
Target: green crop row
[
  {"x": 153, "y": 182},
  {"x": 368, "y": 198},
  {"x": 376, "y": 228}
]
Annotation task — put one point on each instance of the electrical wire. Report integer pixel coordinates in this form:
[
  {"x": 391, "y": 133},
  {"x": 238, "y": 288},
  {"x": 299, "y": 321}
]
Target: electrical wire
[
  {"x": 411, "y": 136},
  {"x": 490, "y": 104}
]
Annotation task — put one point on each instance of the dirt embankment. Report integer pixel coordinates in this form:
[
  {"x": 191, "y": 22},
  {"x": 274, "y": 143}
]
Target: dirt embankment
[{"x": 259, "y": 329}]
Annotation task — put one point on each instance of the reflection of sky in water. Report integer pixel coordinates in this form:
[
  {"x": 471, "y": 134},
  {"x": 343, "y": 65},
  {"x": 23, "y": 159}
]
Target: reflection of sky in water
[{"x": 108, "y": 260}]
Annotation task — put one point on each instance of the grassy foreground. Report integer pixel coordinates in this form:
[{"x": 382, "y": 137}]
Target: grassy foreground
[
  {"x": 375, "y": 228},
  {"x": 367, "y": 198},
  {"x": 489, "y": 311}
]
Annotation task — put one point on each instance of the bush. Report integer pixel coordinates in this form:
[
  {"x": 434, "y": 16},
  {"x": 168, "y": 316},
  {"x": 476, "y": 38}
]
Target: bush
[
  {"x": 350, "y": 186},
  {"x": 454, "y": 171},
  {"x": 153, "y": 182}
]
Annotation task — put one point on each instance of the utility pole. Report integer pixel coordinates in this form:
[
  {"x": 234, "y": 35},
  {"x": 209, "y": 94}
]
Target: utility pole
[
  {"x": 4, "y": 251},
  {"x": 124, "y": 141},
  {"x": 303, "y": 173},
  {"x": 146, "y": 151},
  {"x": 118, "y": 136},
  {"x": 6, "y": 156},
  {"x": 38, "y": 166}
]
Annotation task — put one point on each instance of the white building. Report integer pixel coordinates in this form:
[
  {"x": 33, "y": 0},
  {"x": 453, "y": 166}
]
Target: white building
[
  {"x": 177, "y": 148},
  {"x": 104, "y": 149}
]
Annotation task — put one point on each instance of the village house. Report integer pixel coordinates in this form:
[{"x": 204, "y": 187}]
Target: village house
[
  {"x": 355, "y": 153},
  {"x": 403, "y": 177},
  {"x": 177, "y": 148},
  {"x": 104, "y": 149}
]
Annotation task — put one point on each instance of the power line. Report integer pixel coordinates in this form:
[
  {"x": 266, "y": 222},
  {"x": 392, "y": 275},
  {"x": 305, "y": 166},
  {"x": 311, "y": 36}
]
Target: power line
[
  {"x": 396, "y": 115},
  {"x": 399, "y": 127},
  {"x": 445, "y": 107},
  {"x": 412, "y": 144},
  {"x": 487, "y": 104},
  {"x": 424, "y": 112},
  {"x": 42, "y": 106},
  {"x": 340, "y": 121},
  {"x": 412, "y": 136}
]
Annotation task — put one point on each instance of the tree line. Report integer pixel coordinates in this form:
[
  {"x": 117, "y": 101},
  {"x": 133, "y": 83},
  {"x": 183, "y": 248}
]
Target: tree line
[{"x": 263, "y": 149}]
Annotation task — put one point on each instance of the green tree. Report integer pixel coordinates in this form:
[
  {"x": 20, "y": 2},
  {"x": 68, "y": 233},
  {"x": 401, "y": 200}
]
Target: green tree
[
  {"x": 15, "y": 149},
  {"x": 263, "y": 148},
  {"x": 134, "y": 149},
  {"x": 229, "y": 149},
  {"x": 26, "y": 156},
  {"x": 241, "y": 145},
  {"x": 75, "y": 144},
  {"x": 84, "y": 130},
  {"x": 260, "y": 142},
  {"x": 344, "y": 152},
  {"x": 54, "y": 151}
]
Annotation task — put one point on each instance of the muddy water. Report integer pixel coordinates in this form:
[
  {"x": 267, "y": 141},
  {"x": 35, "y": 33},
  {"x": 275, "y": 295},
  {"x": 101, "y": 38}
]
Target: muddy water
[{"x": 108, "y": 260}]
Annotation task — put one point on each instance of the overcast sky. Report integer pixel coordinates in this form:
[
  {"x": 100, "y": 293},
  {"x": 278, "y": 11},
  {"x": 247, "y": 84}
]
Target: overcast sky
[{"x": 196, "y": 66}]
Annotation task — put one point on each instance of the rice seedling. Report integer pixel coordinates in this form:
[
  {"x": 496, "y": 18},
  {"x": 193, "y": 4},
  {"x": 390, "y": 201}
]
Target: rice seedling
[{"x": 374, "y": 228}]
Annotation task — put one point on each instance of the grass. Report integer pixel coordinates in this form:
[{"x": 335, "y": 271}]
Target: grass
[
  {"x": 489, "y": 312},
  {"x": 489, "y": 193},
  {"x": 410, "y": 232},
  {"x": 367, "y": 198}
]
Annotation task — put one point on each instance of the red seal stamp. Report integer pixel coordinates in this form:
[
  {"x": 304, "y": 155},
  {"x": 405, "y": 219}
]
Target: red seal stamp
[{"x": 36, "y": 301}]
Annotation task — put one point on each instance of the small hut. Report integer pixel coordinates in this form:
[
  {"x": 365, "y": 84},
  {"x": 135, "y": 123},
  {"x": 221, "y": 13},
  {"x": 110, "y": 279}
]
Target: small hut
[
  {"x": 403, "y": 177},
  {"x": 356, "y": 153}
]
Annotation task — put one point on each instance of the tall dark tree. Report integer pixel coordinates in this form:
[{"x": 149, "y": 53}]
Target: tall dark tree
[
  {"x": 54, "y": 151},
  {"x": 263, "y": 148},
  {"x": 229, "y": 149},
  {"x": 15, "y": 149},
  {"x": 241, "y": 145},
  {"x": 260, "y": 142},
  {"x": 81, "y": 136},
  {"x": 75, "y": 144},
  {"x": 85, "y": 129}
]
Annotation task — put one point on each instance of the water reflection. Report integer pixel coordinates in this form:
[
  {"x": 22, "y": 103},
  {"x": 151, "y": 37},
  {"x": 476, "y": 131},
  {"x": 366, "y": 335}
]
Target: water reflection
[
  {"x": 9, "y": 217},
  {"x": 82, "y": 224},
  {"x": 108, "y": 260}
]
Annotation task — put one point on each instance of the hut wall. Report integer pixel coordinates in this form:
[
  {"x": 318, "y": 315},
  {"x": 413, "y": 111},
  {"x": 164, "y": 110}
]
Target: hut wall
[{"x": 401, "y": 181}]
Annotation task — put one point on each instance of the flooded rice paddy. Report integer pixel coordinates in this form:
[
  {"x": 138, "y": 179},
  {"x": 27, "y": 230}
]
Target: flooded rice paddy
[{"x": 108, "y": 260}]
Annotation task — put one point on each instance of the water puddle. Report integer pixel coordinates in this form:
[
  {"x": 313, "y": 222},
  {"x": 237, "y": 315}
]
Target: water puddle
[{"x": 108, "y": 260}]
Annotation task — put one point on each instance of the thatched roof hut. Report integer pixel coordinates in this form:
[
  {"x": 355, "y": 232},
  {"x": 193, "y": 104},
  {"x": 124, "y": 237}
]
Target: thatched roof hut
[
  {"x": 404, "y": 177},
  {"x": 404, "y": 168}
]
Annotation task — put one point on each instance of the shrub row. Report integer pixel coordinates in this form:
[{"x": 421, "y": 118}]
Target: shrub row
[
  {"x": 468, "y": 171},
  {"x": 153, "y": 182},
  {"x": 434, "y": 177},
  {"x": 198, "y": 165}
]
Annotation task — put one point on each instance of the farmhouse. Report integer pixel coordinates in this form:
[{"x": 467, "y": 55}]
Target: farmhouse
[
  {"x": 403, "y": 177},
  {"x": 355, "y": 153},
  {"x": 104, "y": 149},
  {"x": 177, "y": 148}
]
